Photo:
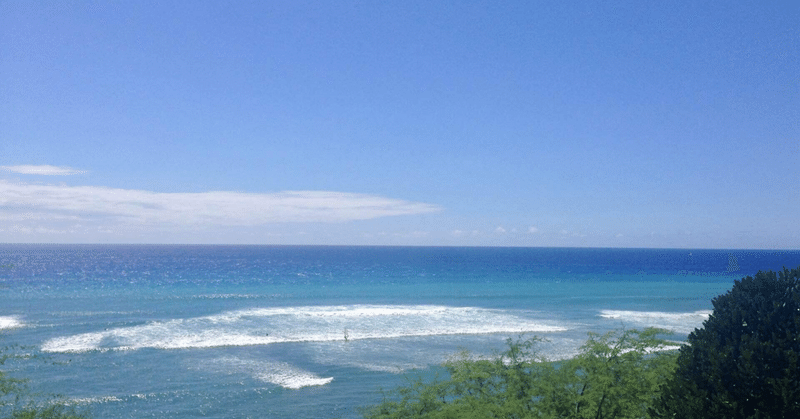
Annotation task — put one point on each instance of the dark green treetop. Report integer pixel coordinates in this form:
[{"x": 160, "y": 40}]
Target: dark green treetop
[{"x": 743, "y": 362}]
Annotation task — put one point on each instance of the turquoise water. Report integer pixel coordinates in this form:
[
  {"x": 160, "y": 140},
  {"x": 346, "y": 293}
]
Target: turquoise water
[{"x": 261, "y": 331}]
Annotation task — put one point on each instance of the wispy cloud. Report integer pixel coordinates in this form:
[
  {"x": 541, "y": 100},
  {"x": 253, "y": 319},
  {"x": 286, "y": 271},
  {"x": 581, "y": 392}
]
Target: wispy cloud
[
  {"x": 29, "y": 203},
  {"x": 44, "y": 169}
]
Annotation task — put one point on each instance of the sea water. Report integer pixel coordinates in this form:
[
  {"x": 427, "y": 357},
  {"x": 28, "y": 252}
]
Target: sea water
[{"x": 148, "y": 331}]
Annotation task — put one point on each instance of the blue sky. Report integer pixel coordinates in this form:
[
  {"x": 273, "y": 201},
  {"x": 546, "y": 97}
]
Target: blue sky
[{"x": 609, "y": 124}]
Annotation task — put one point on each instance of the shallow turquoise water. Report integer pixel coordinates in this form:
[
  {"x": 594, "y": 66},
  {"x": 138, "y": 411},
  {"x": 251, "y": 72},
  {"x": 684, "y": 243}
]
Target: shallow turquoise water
[{"x": 259, "y": 331}]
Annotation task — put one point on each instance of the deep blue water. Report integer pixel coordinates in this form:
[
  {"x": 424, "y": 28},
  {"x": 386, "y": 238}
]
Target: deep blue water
[{"x": 144, "y": 331}]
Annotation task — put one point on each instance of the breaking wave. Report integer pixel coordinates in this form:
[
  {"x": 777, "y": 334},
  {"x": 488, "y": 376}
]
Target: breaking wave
[
  {"x": 9, "y": 322},
  {"x": 263, "y": 326},
  {"x": 681, "y": 322},
  {"x": 278, "y": 373}
]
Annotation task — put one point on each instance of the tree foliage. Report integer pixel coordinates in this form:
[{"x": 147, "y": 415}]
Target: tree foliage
[
  {"x": 614, "y": 376},
  {"x": 743, "y": 362}
]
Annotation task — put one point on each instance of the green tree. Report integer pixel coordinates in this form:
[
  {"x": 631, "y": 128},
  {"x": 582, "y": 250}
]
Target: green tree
[
  {"x": 743, "y": 362},
  {"x": 614, "y": 376}
]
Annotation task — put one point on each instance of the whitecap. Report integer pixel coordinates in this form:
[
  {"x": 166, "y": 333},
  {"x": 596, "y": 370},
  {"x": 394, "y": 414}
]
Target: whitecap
[
  {"x": 94, "y": 400},
  {"x": 262, "y": 326},
  {"x": 293, "y": 379},
  {"x": 9, "y": 322},
  {"x": 278, "y": 373},
  {"x": 390, "y": 368},
  {"x": 678, "y": 322}
]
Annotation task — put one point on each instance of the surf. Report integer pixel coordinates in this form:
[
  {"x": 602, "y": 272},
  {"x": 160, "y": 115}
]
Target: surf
[
  {"x": 676, "y": 322},
  {"x": 264, "y": 326}
]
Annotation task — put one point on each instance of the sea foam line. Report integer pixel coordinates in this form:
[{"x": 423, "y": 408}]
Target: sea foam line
[
  {"x": 9, "y": 322},
  {"x": 264, "y": 326},
  {"x": 680, "y": 322},
  {"x": 94, "y": 400},
  {"x": 278, "y": 373}
]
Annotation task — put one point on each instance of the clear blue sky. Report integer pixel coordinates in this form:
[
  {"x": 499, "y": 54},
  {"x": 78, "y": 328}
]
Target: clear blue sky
[{"x": 612, "y": 124}]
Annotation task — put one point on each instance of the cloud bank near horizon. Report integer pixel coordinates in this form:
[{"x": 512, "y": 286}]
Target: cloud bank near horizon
[
  {"x": 43, "y": 169},
  {"x": 30, "y": 203}
]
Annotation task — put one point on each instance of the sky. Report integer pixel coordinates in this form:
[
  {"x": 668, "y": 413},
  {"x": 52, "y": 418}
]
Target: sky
[{"x": 482, "y": 123}]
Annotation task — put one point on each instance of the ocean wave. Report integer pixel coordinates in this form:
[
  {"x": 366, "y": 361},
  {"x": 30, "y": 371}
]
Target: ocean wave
[
  {"x": 393, "y": 368},
  {"x": 278, "y": 373},
  {"x": 9, "y": 322},
  {"x": 678, "y": 322},
  {"x": 94, "y": 400},
  {"x": 126, "y": 398},
  {"x": 229, "y": 296},
  {"x": 263, "y": 326}
]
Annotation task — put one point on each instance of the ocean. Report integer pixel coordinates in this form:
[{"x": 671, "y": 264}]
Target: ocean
[{"x": 184, "y": 331}]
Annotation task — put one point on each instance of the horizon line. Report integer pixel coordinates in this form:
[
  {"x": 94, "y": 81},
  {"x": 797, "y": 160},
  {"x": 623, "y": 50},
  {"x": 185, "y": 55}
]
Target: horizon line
[{"x": 397, "y": 245}]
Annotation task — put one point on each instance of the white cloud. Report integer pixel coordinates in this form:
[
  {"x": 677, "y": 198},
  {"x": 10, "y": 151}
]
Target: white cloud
[
  {"x": 44, "y": 169},
  {"x": 533, "y": 230},
  {"x": 31, "y": 204},
  {"x": 500, "y": 230}
]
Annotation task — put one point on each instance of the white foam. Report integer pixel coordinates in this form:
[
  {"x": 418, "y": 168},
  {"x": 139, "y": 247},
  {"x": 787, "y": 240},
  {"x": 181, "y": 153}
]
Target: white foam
[
  {"x": 264, "y": 326},
  {"x": 393, "y": 368},
  {"x": 169, "y": 335},
  {"x": 278, "y": 373},
  {"x": 9, "y": 322},
  {"x": 679, "y": 322},
  {"x": 294, "y": 379},
  {"x": 94, "y": 400}
]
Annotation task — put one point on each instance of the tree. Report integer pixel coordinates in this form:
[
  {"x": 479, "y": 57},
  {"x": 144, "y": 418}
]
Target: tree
[
  {"x": 743, "y": 362},
  {"x": 614, "y": 376},
  {"x": 476, "y": 388}
]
